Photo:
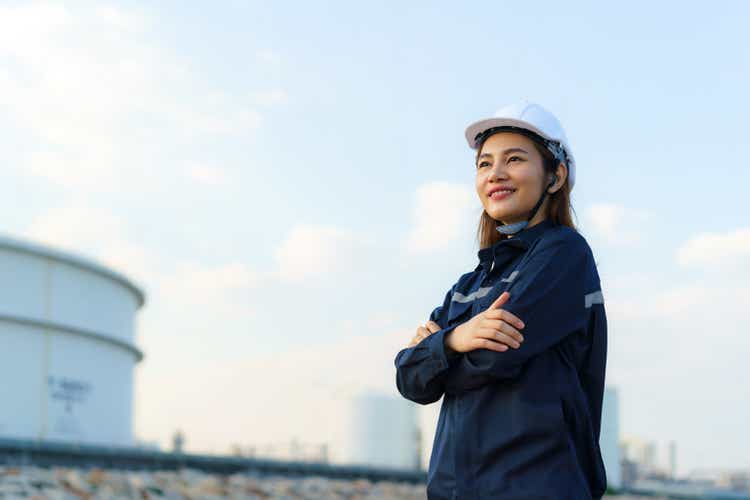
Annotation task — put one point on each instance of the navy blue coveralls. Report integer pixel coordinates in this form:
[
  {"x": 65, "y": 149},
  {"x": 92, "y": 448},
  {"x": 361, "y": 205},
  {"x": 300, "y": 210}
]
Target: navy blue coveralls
[{"x": 521, "y": 424}]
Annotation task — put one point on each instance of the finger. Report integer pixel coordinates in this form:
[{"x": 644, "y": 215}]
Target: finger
[
  {"x": 432, "y": 326},
  {"x": 502, "y": 299},
  {"x": 504, "y": 327},
  {"x": 479, "y": 343},
  {"x": 506, "y": 316},
  {"x": 499, "y": 336},
  {"x": 423, "y": 331}
]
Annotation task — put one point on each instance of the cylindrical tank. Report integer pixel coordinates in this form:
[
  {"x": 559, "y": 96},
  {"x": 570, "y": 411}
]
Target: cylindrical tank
[
  {"x": 68, "y": 353},
  {"x": 609, "y": 436},
  {"x": 384, "y": 431}
]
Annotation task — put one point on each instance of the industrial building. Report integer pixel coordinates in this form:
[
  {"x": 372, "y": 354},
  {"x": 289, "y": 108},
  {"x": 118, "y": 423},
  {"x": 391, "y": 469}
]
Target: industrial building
[
  {"x": 384, "y": 431},
  {"x": 609, "y": 437},
  {"x": 67, "y": 331}
]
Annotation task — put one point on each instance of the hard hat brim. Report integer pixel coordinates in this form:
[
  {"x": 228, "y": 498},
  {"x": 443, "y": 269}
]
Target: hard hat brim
[
  {"x": 480, "y": 126},
  {"x": 477, "y": 128}
]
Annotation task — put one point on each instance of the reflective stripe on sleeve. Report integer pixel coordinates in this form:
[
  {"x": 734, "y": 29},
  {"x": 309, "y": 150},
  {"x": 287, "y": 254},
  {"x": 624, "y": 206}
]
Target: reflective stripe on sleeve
[
  {"x": 478, "y": 294},
  {"x": 594, "y": 298},
  {"x": 510, "y": 278}
]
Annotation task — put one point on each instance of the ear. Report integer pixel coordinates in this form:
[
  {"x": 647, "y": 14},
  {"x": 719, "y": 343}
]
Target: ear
[{"x": 562, "y": 176}]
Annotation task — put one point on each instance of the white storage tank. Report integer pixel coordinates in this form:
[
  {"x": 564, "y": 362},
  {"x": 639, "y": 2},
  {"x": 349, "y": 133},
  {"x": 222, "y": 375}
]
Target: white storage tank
[
  {"x": 383, "y": 431},
  {"x": 68, "y": 353},
  {"x": 609, "y": 437}
]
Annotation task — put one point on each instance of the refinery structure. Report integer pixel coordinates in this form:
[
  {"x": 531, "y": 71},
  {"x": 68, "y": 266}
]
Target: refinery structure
[
  {"x": 384, "y": 431},
  {"x": 67, "y": 326},
  {"x": 609, "y": 436}
]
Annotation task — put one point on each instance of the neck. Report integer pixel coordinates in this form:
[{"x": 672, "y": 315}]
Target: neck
[{"x": 538, "y": 217}]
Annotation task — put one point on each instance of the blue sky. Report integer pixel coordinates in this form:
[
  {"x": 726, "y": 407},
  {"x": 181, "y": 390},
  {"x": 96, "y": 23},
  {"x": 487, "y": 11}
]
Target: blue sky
[{"x": 290, "y": 184}]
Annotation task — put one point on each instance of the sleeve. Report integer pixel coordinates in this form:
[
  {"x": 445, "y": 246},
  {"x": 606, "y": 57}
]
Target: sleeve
[
  {"x": 548, "y": 296},
  {"x": 420, "y": 369}
]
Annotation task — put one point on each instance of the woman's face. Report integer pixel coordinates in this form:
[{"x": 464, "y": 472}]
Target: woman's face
[{"x": 510, "y": 160}]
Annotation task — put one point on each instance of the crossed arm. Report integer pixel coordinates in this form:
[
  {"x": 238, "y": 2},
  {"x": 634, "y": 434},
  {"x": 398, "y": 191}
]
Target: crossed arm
[
  {"x": 420, "y": 369},
  {"x": 548, "y": 297}
]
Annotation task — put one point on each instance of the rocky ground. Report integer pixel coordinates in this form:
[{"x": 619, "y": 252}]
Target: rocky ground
[{"x": 34, "y": 483}]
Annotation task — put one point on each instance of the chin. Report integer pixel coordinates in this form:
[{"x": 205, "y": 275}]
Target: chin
[{"x": 502, "y": 215}]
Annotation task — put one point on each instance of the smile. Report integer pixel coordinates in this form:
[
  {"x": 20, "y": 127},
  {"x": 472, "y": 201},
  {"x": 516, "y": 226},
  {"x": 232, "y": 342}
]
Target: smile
[{"x": 501, "y": 194}]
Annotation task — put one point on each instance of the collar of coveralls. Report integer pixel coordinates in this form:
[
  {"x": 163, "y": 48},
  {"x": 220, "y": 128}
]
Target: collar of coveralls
[{"x": 522, "y": 240}]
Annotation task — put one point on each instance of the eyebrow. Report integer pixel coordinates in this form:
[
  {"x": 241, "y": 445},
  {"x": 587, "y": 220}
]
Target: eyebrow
[{"x": 506, "y": 152}]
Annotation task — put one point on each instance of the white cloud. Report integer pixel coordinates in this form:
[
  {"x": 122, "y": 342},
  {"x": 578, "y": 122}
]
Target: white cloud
[
  {"x": 716, "y": 249},
  {"x": 268, "y": 56},
  {"x": 184, "y": 294},
  {"x": 671, "y": 344},
  {"x": 211, "y": 280},
  {"x": 654, "y": 302},
  {"x": 31, "y": 24},
  {"x": 207, "y": 174},
  {"x": 268, "y": 97},
  {"x": 216, "y": 290},
  {"x": 71, "y": 168},
  {"x": 316, "y": 251},
  {"x": 94, "y": 234},
  {"x": 441, "y": 215},
  {"x": 616, "y": 223},
  {"x": 102, "y": 101},
  {"x": 305, "y": 393},
  {"x": 115, "y": 17}
]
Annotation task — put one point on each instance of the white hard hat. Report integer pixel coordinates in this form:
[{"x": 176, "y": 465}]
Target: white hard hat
[{"x": 530, "y": 116}]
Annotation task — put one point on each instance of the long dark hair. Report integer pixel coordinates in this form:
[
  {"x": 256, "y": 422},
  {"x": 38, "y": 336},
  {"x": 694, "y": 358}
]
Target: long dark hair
[{"x": 559, "y": 209}]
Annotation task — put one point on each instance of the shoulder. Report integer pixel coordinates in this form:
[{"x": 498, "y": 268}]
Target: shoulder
[
  {"x": 464, "y": 280},
  {"x": 564, "y": 241}
]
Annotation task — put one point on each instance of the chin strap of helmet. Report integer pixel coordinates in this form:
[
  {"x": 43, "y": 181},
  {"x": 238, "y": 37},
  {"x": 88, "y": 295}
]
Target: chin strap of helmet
[{"x": 516, "y": 227}]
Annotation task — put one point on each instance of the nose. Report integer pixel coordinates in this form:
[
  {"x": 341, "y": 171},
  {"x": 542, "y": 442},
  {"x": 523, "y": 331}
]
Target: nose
[{"x": 497, "y": 171}]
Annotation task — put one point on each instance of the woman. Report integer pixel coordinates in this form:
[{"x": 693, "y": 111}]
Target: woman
[{"x": 517, "y": 350}]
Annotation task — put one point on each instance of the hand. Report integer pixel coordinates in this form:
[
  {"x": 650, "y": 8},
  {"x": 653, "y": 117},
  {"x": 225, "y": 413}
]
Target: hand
[
  {"x": 494, "y": 329},
  {"x": 423, "y": 332}
]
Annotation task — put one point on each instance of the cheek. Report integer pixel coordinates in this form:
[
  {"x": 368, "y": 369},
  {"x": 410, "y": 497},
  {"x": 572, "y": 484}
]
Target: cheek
[
  {"x": 528, "y": 179},
  {"x": 479, "y": 183}
]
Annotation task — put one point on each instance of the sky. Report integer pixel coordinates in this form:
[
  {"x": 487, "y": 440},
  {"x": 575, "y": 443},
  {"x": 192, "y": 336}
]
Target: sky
[{"x": 290, "y": 185}]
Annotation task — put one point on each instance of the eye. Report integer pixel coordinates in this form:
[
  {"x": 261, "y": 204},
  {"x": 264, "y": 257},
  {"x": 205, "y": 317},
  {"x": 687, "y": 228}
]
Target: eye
[
  {"x": 516, "y": 157},
  {"x": 483, "y": 164}
]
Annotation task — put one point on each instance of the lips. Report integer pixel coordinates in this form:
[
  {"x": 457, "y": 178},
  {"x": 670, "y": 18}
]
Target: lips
[{"x": 500, "y": 192}]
